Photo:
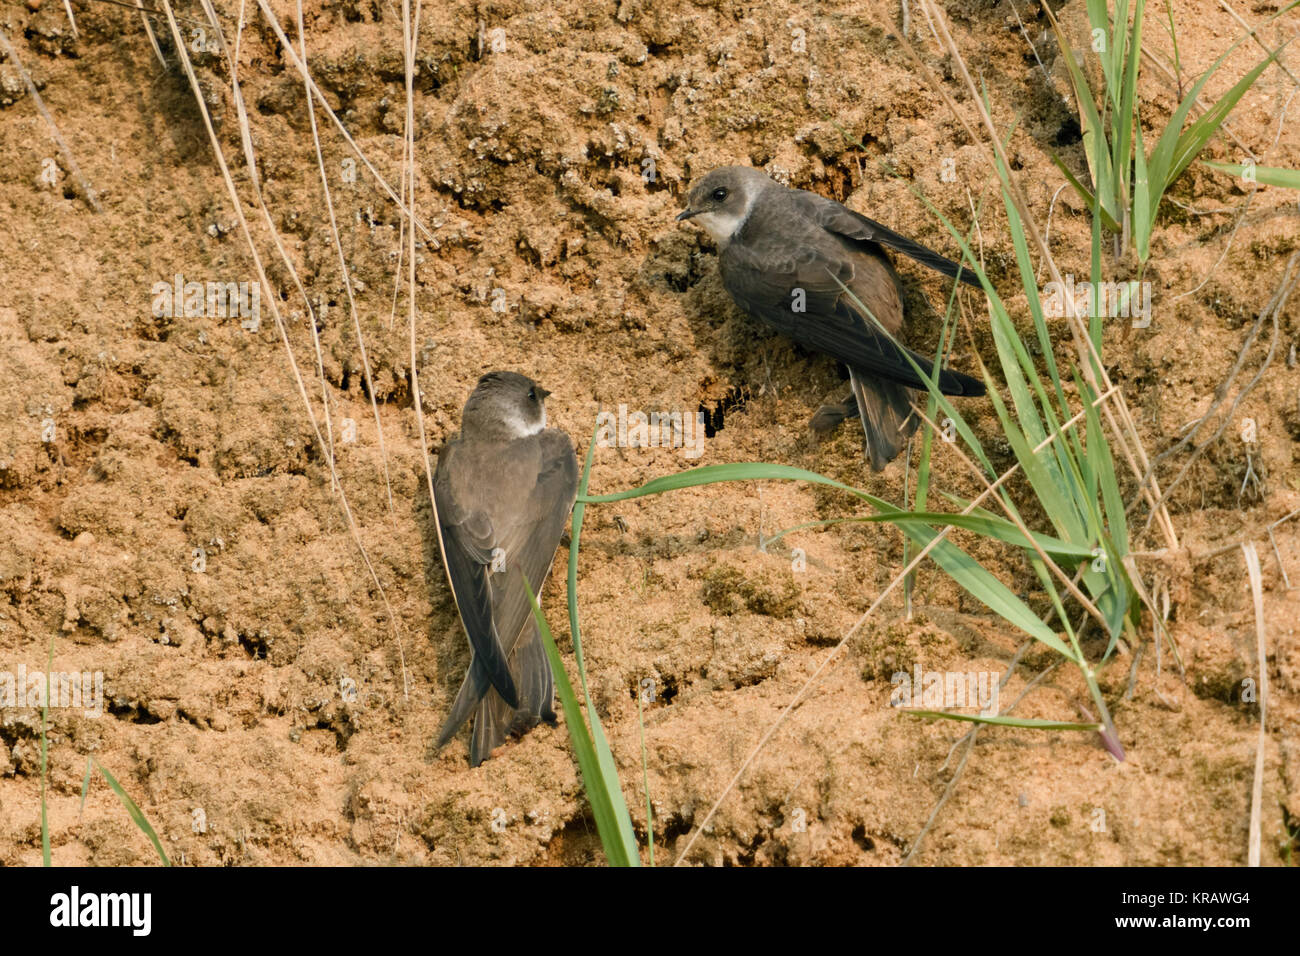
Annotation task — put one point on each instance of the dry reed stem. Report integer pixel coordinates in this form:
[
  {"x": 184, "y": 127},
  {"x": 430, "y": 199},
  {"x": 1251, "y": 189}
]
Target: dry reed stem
[{"x": 272, "y": 300}]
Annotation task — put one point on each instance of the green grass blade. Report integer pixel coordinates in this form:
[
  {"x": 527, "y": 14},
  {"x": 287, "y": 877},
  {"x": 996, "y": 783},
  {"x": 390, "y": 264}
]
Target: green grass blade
[
  {"x": 1172, "y": 30},
  {"x": 608, "y": 808},
  {"x": 1131, "y": 67},
  {"x": 1126, "y": 51},
  {"x": 981, "y": 522},
  {"x": 604, "y": 757},
  {"x": 931, "y": 409},
  {"x": 1062, "y": 509},
  {"x": 135, "y": 813},
  {"x": 1099, "y": 20},
  {"x": 1006, "y": 338},
  {"x": 1084, "y": 192},
  {"x": 645, "y": 782},
  {"x": 712, "y": 474},
  {"x": 1005, "y": 721},
  {"x": 1094, "y": 321},
  {"x": 1265, "y": 175},
  {"x": 1103, "y": 461},
  {"x": 1112, "y": 588},
  {"x": 986, "y": 588},
  {"x": 1090, "y": 123},
  {"x": 1143, "y": 208},
  {"x": 575, "y": 536},
  {"x": 1194, "y": 138},
  {"x": 1052, "y": 421},
  {"x": 959, "y": 565},
  {"x": 1171, "y": 154}
]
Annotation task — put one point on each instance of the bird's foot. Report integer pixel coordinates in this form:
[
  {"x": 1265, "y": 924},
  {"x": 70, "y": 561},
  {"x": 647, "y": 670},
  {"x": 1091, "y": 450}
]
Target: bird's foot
[{"x": 828, "y": 418}]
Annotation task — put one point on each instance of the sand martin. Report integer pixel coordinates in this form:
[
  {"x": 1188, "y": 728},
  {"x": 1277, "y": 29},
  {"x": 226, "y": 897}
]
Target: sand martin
[
  {"x": 504, "y": 488},
  {"x": 781, "y": 252}
]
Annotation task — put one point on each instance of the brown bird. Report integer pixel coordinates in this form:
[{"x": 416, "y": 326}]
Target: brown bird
[
  {"x": 504, "y": 490},
  {"x": 787, "y": 256}
]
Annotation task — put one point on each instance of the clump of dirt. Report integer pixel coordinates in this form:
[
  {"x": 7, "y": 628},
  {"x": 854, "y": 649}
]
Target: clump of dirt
[{"x": 171, "y": 523}]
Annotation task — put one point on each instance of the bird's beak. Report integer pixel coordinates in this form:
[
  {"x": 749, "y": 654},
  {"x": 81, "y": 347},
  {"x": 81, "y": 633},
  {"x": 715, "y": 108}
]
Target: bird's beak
[
  {"x": 686, "y": 214},
  {"x": 542, "y": 393}
]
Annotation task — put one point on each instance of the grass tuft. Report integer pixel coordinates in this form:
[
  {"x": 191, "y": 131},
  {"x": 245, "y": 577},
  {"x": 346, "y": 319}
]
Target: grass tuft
[{"x": 1129, "y": 184}]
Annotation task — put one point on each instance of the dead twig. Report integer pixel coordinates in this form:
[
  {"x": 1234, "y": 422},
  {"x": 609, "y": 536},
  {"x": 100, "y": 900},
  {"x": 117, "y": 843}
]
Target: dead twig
[
  {"x": 347, "y": 277},
  {"x": 269, "y": 294},
  {"x": 1271, "y": 311}
]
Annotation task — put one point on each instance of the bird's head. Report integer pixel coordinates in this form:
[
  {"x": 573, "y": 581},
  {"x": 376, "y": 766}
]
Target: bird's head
[
  {"x": 722, "y": 200},
  {"x": 505, "y": 405}
]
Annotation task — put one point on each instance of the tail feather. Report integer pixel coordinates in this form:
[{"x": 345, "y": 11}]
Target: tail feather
[
  {"x": 537, "y": 683},
  {"x": 494, "y": 719},
  {"x": 472, "y": 690},
  {"x": 492, "y": 723},
  {"x": 887, "y": 419},
  {"x": 952, "y": 382}
]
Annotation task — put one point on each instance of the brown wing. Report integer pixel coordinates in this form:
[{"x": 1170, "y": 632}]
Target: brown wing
[
  {"x": 792, "y": 273},
  {"x": 521, "y": 535},
  {"x": 839, "y": 219}
]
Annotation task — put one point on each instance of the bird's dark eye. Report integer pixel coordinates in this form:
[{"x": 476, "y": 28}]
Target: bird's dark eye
[
  {"x": 532, "y": 394},
  {"x": 720, "y": 193}
]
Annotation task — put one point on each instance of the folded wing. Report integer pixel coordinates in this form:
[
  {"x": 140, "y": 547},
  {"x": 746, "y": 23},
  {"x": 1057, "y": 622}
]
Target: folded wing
[
  {"x": 799, "y": 288},
  {"x": 489, "y": 551},
  {"x": 843, "y": 221}
]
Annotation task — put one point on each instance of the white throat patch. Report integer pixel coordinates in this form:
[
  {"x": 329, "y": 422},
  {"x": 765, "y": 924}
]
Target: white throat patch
[
  {"x": 723, "y": 225},
  {"x": 522, "y": 429}
]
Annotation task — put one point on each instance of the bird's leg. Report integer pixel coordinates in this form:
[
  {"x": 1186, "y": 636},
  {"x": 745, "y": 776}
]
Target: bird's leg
[{"x": 827, "y": 418}]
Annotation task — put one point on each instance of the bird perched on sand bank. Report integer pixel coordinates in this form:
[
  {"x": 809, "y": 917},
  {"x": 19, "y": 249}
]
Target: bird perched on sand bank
[
  {"x": 504, "y": 490},
  {"x": 798, "y": 261}
]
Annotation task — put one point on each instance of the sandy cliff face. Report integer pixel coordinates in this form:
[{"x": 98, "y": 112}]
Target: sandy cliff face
[{"x": 168, "y": 519}]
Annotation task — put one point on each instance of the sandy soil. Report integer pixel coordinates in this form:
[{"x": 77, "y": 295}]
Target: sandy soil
[{"x": 260, "y": 705}]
